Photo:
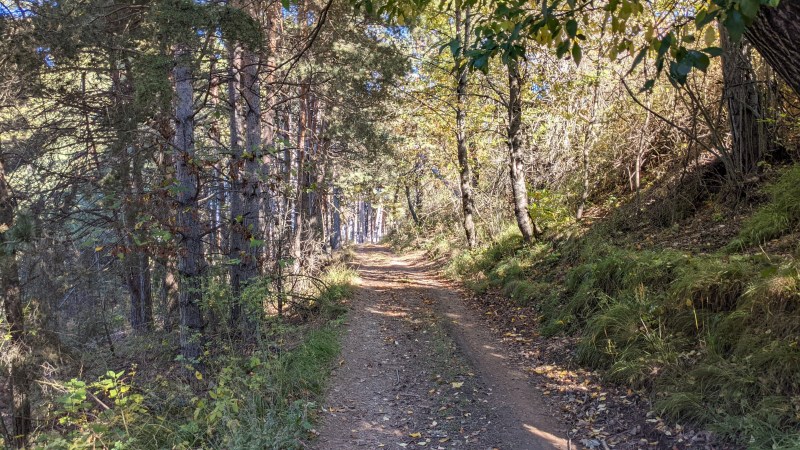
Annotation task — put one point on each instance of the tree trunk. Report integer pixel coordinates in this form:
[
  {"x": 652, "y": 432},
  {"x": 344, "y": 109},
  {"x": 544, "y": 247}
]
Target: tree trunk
[
  {"x": 190, "y": 247},
  {"x": 776, "y": 35},
  {"x": 236, "y": 222},
  {"x": 584, "y": 179},
  {"x": 519, "y": 189},
  {"x": 129, "y": 163},
  {"x": 249, "y": 227},
  {"x": 411, "y": 206},
  {"x": 318, "y": 196},
  {"x": 15, "y": 317},
  {"x": 299, "y": 207},
  {"x": 169, "y": 292},
  {"x": 137, "y": 262},
  {"x": 744, "y": 106},
  {"x": 465, "y": 172},
  {"x": 269, "y": 202},
  {"x": 336, "y": 226}
]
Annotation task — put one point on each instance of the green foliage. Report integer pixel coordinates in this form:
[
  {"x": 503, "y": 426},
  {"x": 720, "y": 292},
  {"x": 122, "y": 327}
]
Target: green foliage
[
  {"x": 525, "y": 292},
  {"x": 714, "y": 337},
  {"x": 776, "y": 218},
  {"x": 120, "y": 405},
  {"x": 338, "y": 280},
  {"x": 549, "y": 210},
  {"x": 153, "y": 90},
  {"x": 263, "y": 399},
  {"x": 267, "y": 400}
]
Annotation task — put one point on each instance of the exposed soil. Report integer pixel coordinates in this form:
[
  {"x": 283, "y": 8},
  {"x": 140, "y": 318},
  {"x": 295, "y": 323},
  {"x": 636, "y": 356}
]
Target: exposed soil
[{"x": 420, "y": 369}]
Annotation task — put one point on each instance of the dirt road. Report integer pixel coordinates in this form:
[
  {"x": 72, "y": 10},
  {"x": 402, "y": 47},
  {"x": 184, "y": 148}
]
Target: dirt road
[{"x": 418, "y": 370}]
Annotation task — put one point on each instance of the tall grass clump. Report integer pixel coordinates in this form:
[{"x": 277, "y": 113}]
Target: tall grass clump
[
  {"x": 713, "y": 337},
  {"x": 779, "y": 216}
]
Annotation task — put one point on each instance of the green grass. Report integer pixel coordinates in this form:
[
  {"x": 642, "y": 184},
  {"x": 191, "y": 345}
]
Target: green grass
[
  {"x": 276, "y": 395},
  {"x": 779, "y": 216},
  {"x": 714, "y": 337}
]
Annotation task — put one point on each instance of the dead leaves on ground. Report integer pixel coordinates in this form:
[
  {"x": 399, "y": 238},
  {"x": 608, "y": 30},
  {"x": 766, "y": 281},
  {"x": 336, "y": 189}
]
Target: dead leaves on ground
[{"x": 599, "y": 416}]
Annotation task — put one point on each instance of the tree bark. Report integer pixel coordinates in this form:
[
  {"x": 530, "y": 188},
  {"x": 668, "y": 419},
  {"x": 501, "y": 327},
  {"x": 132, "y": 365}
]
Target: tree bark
[
  {"x": 136, "y": 264},
  {"x": 336, "y": 226},
  {"x": 519, "y": 189},
  {"x": 170, "y": 292},
  {"x": 245, "y": 182},
  {"x": 744, "y": 106},
  {"x": 190, "y": 247},
  {"x": 269, "y": 203},
  {"x": 776, "y": 36},
  {"x": 299, "y": 197},
  {"x": 411, "y": 206},
  {"x": 465, "y": 171},
  {"x": 15, "y": 317},
  {"x": 251, "y": 182},
  {"x": 235, "y": 224}
]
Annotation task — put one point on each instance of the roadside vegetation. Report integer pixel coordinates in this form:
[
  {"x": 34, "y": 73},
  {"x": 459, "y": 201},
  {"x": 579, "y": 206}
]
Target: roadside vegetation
[
  {"x": 177, "y": 178},
  {"x": 265, "y": 395},
  {"x": 712, "y": 337}
]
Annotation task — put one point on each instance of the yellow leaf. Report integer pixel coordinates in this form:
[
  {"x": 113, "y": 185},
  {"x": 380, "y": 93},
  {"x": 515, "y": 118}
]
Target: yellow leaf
[
  {"x": 99, "y": 248},
  {"x": 710, "y": 36},
  {"x": 198, "y": 375},
  {"x": 415, "y": 435},
  {"x": 457, "y": 384}
]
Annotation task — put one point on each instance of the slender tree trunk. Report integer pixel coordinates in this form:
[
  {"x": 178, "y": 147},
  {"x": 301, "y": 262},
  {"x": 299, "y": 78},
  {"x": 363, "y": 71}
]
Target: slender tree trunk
[
  {"x": 129, "y": 163},
  {"x": 190, "y": 248},
  {"x": 336, "y": 226},
  {"x": 299, "y": 207},
  {"x": 270, "y": 131},
  {"x": 585, "y": 144},
  {"x": 236, "y": 223},
  {"x": 249, "y": 228},
  {"x": 221, "y": 199},
  {"x": 137, "y": 261},
  {"x": 170, "y": 292},
  {"x": 411, "y": 208},
  {"x": 519, "y": 189},
  {"x": 465, "y": 171},
  {"x": 15, "y": 317},
  {"x": 585, "y": 181},
  {"x": 317, "y": 205},
  {"x": 287, "y": 183},
  {"x": 246, "y": 166}
]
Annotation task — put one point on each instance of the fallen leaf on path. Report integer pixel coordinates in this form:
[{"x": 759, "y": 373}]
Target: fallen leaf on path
[{"x": 457, "y": 384}]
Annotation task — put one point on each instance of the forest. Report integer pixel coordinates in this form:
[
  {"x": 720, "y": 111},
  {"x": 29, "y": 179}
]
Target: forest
[{"x": 224, "y": 221}]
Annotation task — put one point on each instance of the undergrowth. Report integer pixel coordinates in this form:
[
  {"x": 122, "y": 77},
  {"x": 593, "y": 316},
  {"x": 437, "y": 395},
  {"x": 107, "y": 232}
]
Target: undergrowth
[
  {"x": 262, "y": 398},
  {"x": 714, "y": 337},
  {"x": 778, "y": 217}
]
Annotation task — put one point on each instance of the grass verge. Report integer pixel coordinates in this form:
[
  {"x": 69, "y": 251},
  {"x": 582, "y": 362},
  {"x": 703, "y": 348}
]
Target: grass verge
[{"x": 715, "y": 338}]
